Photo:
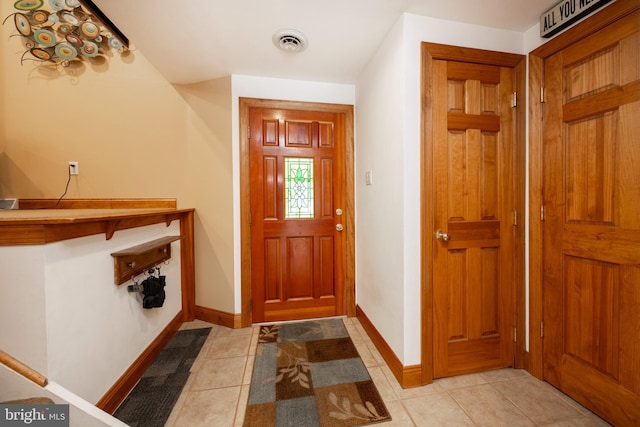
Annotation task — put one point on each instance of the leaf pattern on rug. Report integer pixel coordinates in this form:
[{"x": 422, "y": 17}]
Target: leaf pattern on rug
[
  {"x": 324, "y": 329},
  {"x": 298, "y": 369},
  {"x": 268, "y": 333},
  {"x": 345, "y": 411}
]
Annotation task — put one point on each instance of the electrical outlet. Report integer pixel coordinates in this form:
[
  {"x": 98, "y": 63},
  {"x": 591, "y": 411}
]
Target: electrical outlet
[{"x": 74, "y": 168}]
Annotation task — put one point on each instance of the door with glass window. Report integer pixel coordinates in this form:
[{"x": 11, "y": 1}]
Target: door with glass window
[{"x": 296, "y": 188}]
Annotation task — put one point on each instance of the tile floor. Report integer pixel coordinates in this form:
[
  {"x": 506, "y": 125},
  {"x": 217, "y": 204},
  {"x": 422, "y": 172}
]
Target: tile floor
[{"x": 217, "y": 390}]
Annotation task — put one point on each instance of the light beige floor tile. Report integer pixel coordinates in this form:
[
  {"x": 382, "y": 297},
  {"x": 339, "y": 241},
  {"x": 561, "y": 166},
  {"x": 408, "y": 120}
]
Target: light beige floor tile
[
  {"x": 253, "y": 344},
  {"x": 228, "y": 332},
  {"x": 589, "y": 420},
  {"x": 209, "y": 408},
  {"x": 382, "y": 384},
  {"x": 460, "y": 381},
  {"x": 189, "y": 383},
  {"x": 242, "y": 406},
  {"x": 248, "y": 370},
  {"x": 536, "y": 400},
  {"x": 219, "y": 373},
  {"x": 399, "y": 415},
  {"x": 365, "y": 354},
  {"x": 488, "y": 407},
  {"x": 403, "y": 393},
  {"x": 504, "y": 374},
  {"x": 577, "y": 406},
  {"x": 202, "y": 355},
  {"x": 438, "y": 409},
  {"x": 223, "y": 347},
  {"x": 376, "y": 354},
  {"x": 196, "y": 324}
]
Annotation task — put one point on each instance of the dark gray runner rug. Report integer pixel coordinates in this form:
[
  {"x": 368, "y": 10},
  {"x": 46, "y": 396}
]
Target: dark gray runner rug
[{"x": 151, "y": 401}]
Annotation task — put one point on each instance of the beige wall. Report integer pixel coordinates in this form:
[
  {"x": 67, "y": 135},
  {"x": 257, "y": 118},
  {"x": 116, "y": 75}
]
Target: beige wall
[{"x": 134, "y": 135}]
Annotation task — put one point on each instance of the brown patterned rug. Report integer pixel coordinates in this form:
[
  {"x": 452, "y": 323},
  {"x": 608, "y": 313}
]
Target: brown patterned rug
[{"x": 309, "y": 374}]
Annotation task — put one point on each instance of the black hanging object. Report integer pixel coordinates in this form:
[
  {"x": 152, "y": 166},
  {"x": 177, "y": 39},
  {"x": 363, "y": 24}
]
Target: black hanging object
[{"x": 152, "y": 289}]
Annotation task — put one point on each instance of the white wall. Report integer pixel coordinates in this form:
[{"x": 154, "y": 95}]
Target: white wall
[
  {"x": 380, "y": 249},
  {"x": 92, "y": 330},
  {"x": 270, "y": 88},
  {"x": 22, "y": 300},
  {"x": 393, "y": 304}
]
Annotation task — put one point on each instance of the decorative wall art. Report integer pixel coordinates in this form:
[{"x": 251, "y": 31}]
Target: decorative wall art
[{"x": 64, "y": 31}]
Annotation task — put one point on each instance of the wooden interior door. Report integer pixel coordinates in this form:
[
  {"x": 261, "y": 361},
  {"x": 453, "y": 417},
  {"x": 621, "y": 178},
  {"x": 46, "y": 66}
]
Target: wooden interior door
[
  {"x": 591, "y": 227},
  {"x": 473, "y": 182},
  {"x": 297, "y": 194}
]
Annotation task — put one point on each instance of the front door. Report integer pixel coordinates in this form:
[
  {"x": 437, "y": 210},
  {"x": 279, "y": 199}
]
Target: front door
[
  {"x": 591, "y": 227},
  {"x": 296, "y": 208},
  {"x": 473, "y": 148}
]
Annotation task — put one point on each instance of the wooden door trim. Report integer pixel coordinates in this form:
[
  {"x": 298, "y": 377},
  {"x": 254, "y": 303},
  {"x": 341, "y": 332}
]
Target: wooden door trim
[
  {"x": 430, "y": 52},
  {"x": 346, "y": 111},
  {"x": 595, "y": 23}
]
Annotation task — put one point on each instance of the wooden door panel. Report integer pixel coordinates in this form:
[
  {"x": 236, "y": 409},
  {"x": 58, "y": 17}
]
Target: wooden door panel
[
  {"x": 591, "y": 223},
  {"x": 591, "y": 313},
  {"x": 472, "y": 172},
  {"x": 296, "y": 181}
]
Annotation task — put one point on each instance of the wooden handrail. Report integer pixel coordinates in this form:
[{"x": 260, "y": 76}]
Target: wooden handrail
[{"x": 23, "y": 369}]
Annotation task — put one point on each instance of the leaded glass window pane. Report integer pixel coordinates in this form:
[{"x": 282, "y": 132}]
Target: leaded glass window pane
[{"x": 298, "y": 190}]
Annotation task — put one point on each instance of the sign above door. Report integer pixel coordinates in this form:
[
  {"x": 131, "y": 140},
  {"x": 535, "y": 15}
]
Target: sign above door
[{"x": 565, "y": 13}]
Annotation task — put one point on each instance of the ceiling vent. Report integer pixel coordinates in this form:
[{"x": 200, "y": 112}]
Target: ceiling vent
[{"x": 290, "y": 41}]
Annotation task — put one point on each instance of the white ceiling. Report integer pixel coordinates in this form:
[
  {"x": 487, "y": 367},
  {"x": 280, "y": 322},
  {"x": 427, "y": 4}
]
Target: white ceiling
[{"x": 196, "y": 40}]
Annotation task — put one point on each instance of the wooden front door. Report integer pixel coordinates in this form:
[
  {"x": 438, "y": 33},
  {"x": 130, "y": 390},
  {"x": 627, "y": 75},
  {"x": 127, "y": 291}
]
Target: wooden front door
[
  {"x": 297, "y": 212},
  {"x": 473, "y": 233},
  {"x": 591, "y": 221}
]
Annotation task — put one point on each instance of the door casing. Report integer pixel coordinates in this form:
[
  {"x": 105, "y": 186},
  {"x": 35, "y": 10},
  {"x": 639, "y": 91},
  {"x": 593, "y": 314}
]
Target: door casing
[
  {"x": 245, "y": 173},
  {"x": 430, "y": 52}
]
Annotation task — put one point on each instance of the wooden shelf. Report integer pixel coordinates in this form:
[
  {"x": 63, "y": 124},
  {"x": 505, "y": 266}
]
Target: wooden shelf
[{"x": 136, "y": 259}]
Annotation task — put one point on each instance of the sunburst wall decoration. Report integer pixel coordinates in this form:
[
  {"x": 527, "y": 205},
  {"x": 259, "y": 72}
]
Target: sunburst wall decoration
[{"x": 64, "y": 31}]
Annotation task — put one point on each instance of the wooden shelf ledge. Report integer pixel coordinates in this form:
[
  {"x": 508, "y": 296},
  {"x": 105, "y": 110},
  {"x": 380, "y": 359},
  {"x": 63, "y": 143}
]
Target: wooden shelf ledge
[{"x": 136, "y": 259}]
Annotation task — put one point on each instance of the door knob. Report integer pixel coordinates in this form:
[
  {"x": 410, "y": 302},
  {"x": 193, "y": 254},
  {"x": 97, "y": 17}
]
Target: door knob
[
  {"x": 339, "y": 227},
  {"x": 442, "y": 236}
]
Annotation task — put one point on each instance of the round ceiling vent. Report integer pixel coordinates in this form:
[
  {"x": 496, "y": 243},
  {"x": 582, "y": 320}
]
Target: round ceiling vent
[{"x": 290, "y": 41}]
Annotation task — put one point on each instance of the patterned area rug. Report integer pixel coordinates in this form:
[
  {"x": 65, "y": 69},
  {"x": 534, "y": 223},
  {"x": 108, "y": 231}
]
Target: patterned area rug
[
  {"x": 310, "y": 374},
  {"x": 151, "y": 401}
]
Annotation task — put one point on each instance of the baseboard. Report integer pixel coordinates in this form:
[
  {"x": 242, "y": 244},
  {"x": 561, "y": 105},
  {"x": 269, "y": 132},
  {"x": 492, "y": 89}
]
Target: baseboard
[
  {"x": 230, "y": 320},
  {"x": 121, "y": 389},
  {"x": 407, "y": 376}
]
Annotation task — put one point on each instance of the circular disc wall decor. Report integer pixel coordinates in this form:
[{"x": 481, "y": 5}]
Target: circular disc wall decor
[
  {"x": 63, "y": 31},
  {"x": 22, "y": 24}
]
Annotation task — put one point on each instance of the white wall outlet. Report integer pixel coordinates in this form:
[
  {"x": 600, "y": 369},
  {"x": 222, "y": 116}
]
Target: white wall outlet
[
  {"x": 368, "y": 177},
  {"x": 74, "y": 168}
]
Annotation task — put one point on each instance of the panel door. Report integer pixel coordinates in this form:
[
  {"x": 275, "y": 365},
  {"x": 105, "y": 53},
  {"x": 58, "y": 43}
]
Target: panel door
[
  {"x": 473, "y": 157},
  {"x": 591, "y": 228},
  {"x": 296, "y": 230}
]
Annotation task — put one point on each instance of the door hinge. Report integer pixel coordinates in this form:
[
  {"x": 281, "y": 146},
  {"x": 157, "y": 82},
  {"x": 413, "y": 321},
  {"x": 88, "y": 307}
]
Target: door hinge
[
  {"x": 514, "y": 100},
  {"x": 542, "y": 94},
  {"x": 515, "y": 334},
  {"x": 515, "y": 218},
  {"x": 542, "y": 213},
  {"x": 248, "y": 132},
  {"x": 542, "y": 329}
]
